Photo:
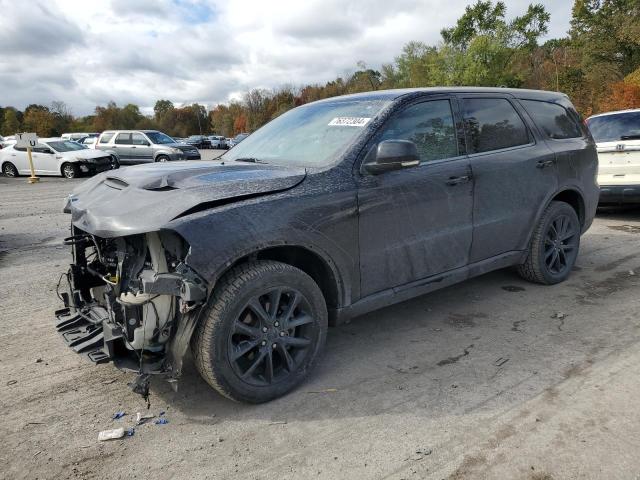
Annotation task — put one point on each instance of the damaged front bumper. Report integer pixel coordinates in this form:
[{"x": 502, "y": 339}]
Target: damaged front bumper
[{"x": 132, "y": 301}]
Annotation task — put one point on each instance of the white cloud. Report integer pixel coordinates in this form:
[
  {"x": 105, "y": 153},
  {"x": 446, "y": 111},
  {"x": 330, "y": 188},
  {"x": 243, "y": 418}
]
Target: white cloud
[{"x": 87, "y": 53}]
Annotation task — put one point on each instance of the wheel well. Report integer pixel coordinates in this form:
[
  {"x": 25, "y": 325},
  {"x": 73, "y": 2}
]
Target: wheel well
[
  {"x": 574, "y": 199},
  {"x": 62, "y": 166},
  {"x": 309, "y": 262}
]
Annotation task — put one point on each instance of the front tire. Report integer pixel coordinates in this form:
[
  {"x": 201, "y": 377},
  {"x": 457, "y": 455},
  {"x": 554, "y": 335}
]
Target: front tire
[
  {"x": 265, "y": 328},
  {"x": 162, "y": 158},
  {"x": 69, "y": 170},
  {"x": 554, "y": 246},
  {"x": 9, "y": 169}
]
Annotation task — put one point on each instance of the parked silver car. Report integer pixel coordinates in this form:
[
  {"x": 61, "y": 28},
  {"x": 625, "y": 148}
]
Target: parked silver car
[{"x": 144, "y": 146}]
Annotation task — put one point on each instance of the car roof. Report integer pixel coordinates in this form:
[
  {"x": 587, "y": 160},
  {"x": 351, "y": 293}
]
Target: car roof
[
  {"x": 606, "y": 114},
  {"x": 400, "y": 92}
]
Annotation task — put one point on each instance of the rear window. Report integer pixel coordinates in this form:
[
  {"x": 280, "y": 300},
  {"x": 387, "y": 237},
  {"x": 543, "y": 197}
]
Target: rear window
[
  {"x": 492, "y": 124},
  {"x": 553, "y": 119},
  {"x": 612, "y": 128},
  {"x": 106, "y": 137}
]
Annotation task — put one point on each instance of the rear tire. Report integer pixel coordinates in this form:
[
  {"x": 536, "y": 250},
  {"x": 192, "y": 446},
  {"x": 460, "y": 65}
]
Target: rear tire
[
  {"x": 265, "y": 329},
  {"x": 10, "y": 170},
  {"x": 554, "y": 246},
  {"x": 69, "y": 170}
]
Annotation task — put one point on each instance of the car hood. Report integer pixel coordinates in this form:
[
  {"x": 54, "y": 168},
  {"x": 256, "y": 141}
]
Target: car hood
[
  {"x": 144, "y": 198},
  {"x": 86, "y": 153}
]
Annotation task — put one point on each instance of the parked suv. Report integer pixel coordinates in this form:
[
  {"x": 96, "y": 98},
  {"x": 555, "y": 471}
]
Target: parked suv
[
  {"x": 144, "y": 146},
  {"x": 331, "y": 210},
  {"x": 618, "y": 140}
]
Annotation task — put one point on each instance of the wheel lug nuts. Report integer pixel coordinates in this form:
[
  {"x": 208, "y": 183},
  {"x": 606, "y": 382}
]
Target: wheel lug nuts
[
  {"x": 276, "y": 324},
  {"x": 274, "y": 345},
  {"x": 282, "y": 334},
  {"x": 264, "y": 329},
  {"x": 264, "y": 342}
]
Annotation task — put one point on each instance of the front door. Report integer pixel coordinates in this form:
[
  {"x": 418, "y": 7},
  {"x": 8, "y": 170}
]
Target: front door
[
  {"x": 45, "y": 160},
  {"x": 416, "y": 222},
  {"x": 514, "y": 174},
  {"x": 141, "y": 151}
]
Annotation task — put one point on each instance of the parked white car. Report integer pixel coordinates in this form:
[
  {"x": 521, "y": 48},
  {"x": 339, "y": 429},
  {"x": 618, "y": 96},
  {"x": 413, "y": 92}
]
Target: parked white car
[
  {"x": 617, "y": 135},
  {"x": 55, "y": 156},
  {"x": 89, "y": 142},
  {"x": 77, "y": 135},
  {"x": 218, "y": 141}
]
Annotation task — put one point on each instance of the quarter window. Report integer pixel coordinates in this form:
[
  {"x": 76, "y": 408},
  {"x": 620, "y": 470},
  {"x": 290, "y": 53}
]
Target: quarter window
[
  {"x": 429, "y": 125},
  {"x": 123, "y": 139},
  {"x": 106, "y": 137},
  {"x": 553, "y": 119},
  {"x": 492, "y": 124}
]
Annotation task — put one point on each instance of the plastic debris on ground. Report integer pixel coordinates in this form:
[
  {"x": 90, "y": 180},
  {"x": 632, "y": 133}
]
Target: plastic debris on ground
[
  {"x": 161, "y": 421},
  {"x": 111, "y": 434},
  {"x": 119, "y": 415},
  {"x": 142, "y": 418}
]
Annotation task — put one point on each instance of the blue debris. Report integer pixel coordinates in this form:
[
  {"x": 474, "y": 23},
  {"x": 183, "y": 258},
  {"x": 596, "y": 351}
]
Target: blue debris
[
  {"x": 119, "y": 415},
  {"x": 129, "y": 432},
  {"x": 161, "y": 421},
  {"x": 161, "y": 413}
]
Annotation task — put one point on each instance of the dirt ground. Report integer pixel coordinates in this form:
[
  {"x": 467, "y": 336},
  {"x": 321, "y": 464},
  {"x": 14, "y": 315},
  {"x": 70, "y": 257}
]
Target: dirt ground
[{"x": 493, "y": 378}]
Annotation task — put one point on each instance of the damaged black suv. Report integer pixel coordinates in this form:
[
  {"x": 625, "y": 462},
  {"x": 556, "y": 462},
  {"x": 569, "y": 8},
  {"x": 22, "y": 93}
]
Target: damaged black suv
[{"x": 332, "y": 210}]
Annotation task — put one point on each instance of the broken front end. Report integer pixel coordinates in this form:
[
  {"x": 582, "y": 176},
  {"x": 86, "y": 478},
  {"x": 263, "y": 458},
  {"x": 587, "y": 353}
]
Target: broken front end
[{"x": 131, "y": 300}]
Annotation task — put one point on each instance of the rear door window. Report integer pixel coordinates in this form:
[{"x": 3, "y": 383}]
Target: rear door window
[
  {"x": 123, "y": 139},
  {"x": 553, "y": 119},
  {"x": 492, "y": 124},
  {"x": 613, "y": 128}
]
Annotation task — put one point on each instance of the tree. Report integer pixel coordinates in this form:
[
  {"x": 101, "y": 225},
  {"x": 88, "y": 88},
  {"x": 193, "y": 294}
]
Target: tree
[
  {"x": 162, "y": 108},
  {"x": 10, "y": 125}
]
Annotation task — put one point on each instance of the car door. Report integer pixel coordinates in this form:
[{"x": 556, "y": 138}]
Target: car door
[
  {"x": 141, "y": 150},
  {"x": 416, "y": 222},
  {"x": 18, "y": 156},
  {"x": 514, "y": 174},
  {"x": 45, "y": 160},
  {"x": 122, "y": 146}
]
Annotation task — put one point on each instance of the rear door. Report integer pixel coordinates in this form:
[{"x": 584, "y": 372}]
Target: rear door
[
  {"x": 416, "y": 222},
  {"x": 514, "y": 173},
  {"x": 122, "y": 146}
]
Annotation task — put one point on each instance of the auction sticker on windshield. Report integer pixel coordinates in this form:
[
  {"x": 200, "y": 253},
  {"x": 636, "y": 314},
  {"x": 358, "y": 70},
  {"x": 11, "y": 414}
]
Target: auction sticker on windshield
[{"x": 350, "y": 121}]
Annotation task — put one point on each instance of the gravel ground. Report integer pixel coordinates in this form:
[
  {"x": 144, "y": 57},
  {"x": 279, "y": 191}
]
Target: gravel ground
[{"x": 492, "y": 378}]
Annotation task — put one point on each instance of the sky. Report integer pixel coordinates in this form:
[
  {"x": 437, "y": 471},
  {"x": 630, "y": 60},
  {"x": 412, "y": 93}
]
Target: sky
[{"x": 86, "y": 53}]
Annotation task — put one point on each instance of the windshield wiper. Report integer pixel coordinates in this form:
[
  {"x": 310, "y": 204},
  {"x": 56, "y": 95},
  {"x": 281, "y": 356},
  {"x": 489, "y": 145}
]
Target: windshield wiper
[
  {"x": 635, "y": 136},
  {"x": 250, "y": 160}
]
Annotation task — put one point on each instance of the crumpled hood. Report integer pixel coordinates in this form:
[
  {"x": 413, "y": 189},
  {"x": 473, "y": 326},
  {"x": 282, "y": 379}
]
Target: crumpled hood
[
  {"x": 144, "y": 198},
  {"x": 85, "y": 153}
]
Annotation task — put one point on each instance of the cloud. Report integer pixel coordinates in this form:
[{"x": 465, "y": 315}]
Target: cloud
[
  {"x": 39, "y": 29},
  {"x": 206, "y": 51}
]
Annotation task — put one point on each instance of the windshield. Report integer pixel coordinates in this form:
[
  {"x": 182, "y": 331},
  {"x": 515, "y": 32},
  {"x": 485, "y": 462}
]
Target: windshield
[
  {"x": 312, "y": 135},
  {"x": 611, "y": 128},
  {"x": 159, "y": 138},
  {"x": 66, "y": 146}
]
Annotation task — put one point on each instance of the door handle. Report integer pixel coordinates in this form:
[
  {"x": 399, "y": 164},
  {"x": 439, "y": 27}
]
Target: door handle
[
  {"x": 458, "y": 180},
  {"x": 545, "y": 163}
]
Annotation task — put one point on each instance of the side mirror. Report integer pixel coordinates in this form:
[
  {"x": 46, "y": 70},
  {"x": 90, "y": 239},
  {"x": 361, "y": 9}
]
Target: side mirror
[
  {"x": 392, "y": 155},
  {"x": 146, "y": 143}
]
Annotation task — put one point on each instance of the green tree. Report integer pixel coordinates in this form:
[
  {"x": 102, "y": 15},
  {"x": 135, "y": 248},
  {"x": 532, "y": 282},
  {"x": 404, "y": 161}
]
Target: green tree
[{"x": 10, "y": 124}]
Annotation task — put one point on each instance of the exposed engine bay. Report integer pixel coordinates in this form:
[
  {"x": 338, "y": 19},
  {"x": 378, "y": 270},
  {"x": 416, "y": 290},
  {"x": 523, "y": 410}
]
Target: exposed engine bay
[{"x": 131, "y": 300}]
